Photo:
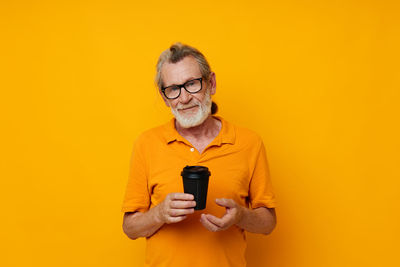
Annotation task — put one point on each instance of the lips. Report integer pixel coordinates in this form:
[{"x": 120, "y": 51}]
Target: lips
[{"x": 187, "y": 108}]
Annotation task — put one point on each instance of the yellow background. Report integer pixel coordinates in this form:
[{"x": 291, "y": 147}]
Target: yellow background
[{"x": 318, "y": 80}]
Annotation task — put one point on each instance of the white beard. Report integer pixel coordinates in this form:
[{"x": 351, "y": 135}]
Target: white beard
[{"x": 203, "y": 111}]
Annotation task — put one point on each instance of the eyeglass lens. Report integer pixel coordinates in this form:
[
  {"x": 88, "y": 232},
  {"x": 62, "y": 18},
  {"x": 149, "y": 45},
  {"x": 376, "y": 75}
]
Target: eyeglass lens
[{"x": 192, "y": 86}]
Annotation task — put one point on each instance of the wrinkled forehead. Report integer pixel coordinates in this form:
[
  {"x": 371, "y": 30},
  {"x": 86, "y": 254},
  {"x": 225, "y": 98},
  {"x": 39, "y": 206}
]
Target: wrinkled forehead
[{"x": 180, "y": 72}]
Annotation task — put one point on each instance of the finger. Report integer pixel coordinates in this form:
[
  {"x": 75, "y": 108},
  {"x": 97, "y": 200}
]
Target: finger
[
  {"x": 224, "y": 202},
  {"x": 182, "y": 196},
  {"x": 175, "y": 219},
  {"x": 179, "y": 212},
  {"x": 180, "y": 204},
  {"x": 207, "y": 224},
  {"x": 220, "y": 222}
]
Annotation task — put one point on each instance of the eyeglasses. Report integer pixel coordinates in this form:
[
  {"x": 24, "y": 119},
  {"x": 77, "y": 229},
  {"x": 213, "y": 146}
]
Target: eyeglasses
[{"x": 174, "y": 91}]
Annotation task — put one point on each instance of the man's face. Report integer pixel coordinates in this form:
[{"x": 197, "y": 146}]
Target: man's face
[{"x": 189, "y": 109}]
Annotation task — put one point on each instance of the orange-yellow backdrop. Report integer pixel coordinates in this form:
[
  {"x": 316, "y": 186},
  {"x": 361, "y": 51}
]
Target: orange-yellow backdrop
[{"x": 318, "y": 80}]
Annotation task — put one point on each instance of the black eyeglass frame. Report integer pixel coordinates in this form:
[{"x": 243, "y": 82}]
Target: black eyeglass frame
[{"x": 183, "y": 85}]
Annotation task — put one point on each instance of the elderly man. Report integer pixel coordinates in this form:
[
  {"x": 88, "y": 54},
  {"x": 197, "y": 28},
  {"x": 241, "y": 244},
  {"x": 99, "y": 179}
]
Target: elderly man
[{"x": 240, "y": 196}]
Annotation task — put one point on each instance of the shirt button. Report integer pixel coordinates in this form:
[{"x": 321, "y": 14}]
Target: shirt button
[{"x": 192, "y": 149}]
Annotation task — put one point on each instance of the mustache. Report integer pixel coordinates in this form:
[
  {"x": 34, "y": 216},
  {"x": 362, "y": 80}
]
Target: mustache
[{"x": 182, "y": 106}]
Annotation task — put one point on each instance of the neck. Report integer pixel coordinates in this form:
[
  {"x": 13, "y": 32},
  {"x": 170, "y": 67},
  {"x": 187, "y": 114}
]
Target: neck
[{"x": 209, "y": 128}]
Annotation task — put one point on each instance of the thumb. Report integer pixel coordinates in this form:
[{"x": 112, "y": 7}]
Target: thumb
[{"x": 228, "y": 203}]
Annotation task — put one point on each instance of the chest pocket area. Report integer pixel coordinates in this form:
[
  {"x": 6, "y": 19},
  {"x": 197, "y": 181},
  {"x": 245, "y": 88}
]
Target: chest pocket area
[
  {"x": 163, "y": 182},
  {"x": 230, "y": 182}
]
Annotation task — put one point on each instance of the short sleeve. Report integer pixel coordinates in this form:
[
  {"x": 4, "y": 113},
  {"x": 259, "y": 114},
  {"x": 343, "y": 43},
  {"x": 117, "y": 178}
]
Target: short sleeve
[
  {"x": 261, "y": 191},
  {"x": 137, "y": 196}
]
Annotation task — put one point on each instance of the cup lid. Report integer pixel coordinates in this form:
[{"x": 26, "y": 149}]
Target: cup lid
[{"x": 195, "y": 172}]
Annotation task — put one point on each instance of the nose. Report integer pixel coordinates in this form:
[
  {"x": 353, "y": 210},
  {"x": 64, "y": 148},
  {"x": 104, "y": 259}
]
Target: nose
[{"x": 185, "y": 97}]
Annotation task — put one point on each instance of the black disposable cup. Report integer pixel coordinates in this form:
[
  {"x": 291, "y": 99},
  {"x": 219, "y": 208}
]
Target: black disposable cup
[{"x": 195, "y": 182}]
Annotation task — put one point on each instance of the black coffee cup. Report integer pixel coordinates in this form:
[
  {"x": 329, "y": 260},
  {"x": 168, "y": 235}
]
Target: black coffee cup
[{"x": 195, "y": 182}]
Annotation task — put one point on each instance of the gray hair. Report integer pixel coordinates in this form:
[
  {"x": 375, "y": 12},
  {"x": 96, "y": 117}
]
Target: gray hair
[{"x": 176, "y": 53}]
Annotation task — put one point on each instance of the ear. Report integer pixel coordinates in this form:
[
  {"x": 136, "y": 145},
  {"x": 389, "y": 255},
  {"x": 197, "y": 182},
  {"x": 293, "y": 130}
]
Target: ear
[
  {"x": 164, "y": 98},
  {"x": 213, "y": 83}
]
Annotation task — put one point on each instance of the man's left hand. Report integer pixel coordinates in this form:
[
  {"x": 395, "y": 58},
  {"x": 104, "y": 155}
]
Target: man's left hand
[{"x": 233, "y": 215}]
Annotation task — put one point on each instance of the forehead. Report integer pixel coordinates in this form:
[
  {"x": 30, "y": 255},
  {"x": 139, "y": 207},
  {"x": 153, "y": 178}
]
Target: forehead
[{"x": 180, "y": 72}]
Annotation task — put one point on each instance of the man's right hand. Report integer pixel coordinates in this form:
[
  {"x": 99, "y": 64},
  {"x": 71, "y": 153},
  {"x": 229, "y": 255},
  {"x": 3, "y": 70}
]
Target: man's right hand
[{"x": 175, "y": 207}]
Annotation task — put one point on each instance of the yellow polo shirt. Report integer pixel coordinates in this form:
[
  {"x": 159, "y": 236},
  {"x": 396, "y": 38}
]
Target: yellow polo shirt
[{"x": 237, "y": 161}]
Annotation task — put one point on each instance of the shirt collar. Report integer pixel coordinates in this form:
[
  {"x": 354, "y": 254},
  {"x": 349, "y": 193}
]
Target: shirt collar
[{"x": 227, "y": 134}]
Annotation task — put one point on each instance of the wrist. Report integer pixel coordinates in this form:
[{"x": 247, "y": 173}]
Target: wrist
[
  {"x": 157, "y": 214},
  {"x": 242, "y": 212}
]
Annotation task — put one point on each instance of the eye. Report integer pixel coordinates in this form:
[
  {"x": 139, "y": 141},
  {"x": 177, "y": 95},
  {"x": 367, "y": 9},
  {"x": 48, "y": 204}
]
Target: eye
[
  {"x": 173, "y": 88},
  {"x": 190, "y": 83}
]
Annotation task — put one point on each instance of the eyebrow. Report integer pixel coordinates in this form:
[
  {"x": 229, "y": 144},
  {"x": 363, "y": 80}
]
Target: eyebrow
[{"x": 189, "y": 79}]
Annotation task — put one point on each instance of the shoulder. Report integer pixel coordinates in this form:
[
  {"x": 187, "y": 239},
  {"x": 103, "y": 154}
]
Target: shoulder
[
  {"x": 151, "y": 133},
  {"x": 248, "y": 140},
  {"x": 247, "y": 134},
  {"x": 152, "y": 136},
  {"x": 244, "y": 137},
  {"x": 243, "y": 132}
]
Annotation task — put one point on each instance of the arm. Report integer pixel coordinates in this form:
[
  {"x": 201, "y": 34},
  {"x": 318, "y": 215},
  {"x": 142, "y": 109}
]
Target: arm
[
  {"x": 260, "y": 220},
  {"x": 138, "y": 224},
  {"x": 173, "y": 209}
]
